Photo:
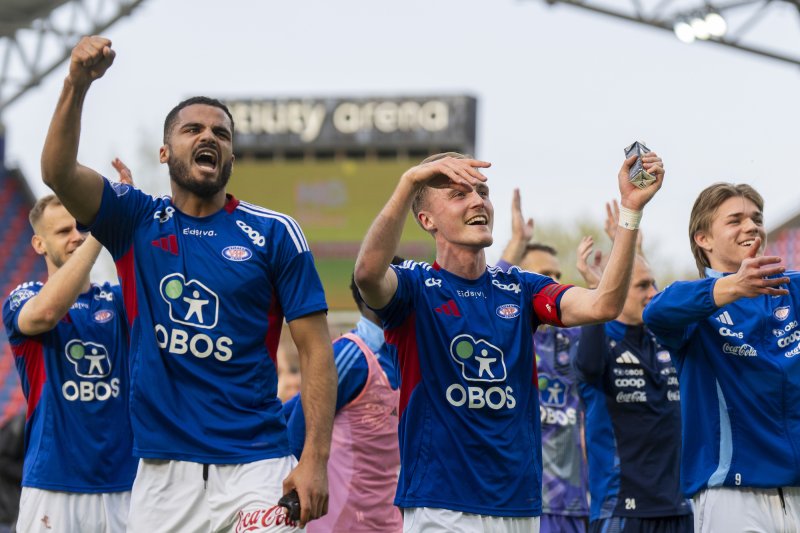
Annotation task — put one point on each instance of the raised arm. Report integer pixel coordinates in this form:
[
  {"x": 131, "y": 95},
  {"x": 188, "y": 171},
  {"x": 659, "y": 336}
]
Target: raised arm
[
  {"x": 377, "y": 282},
  {"x": 42, "y": 312},
  {"x": 318, "y": 389},
  {"x": 79, "y": 188},
  {"x": 521, "y": 234},
  {"x": 584, "y": 306}
]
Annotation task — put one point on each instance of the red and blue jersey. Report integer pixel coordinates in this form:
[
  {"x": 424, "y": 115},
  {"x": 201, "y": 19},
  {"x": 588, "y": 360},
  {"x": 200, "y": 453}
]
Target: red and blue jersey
[
  {"x": 206, "y": 298},
  {"x": 469, "y": 411},
  {"x": 75, "y": 379}
]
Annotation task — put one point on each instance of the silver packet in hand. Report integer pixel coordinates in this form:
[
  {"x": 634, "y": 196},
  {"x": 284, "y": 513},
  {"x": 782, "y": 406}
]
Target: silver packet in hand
[{"x": 638, "y": 175}]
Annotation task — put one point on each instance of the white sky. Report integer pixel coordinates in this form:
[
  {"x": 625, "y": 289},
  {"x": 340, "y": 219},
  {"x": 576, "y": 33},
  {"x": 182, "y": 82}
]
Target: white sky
[{"x": 561, "y": 92}]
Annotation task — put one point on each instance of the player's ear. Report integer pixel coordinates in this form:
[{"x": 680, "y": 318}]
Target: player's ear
[
  {"x": 163, "y": 154},
  {"x": 426, "y": 221},
  {"x": 703, "y": 240},
  {"x": 38, "y": 244}
]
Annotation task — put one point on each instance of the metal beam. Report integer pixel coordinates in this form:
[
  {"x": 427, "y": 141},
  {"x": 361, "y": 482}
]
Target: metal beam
[
  {"x": 664, "y": 14},
  {"x": 36, "y": 43}
]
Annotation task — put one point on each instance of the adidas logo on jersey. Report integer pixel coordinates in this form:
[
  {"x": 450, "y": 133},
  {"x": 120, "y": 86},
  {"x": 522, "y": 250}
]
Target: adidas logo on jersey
[
  {"x": 725, "y": 318},
  {"x": 627, "y": 358},
  {"x": 448, "y": 308},
  {"x": 168, "y": 244}
]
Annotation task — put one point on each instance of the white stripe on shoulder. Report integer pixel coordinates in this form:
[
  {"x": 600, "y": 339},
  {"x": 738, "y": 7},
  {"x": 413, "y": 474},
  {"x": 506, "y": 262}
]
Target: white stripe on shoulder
[
  {"x": 292, "y": 221},
  {"x": 410, "y": 264},
  {"x": 299, "y": 241}
]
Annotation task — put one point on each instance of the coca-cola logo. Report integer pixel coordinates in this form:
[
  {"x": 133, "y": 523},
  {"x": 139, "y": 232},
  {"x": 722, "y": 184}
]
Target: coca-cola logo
[
  {"x": 262, "y": 519},
  {"x": 745, "y": 350}
]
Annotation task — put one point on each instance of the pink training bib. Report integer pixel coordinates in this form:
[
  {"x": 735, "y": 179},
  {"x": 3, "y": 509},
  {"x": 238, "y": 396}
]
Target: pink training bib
[{"x": 365, "y": 459}]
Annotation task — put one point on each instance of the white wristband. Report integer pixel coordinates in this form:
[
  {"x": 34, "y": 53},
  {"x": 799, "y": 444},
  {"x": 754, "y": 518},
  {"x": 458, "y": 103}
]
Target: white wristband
[{"x": 629, "y": 219}]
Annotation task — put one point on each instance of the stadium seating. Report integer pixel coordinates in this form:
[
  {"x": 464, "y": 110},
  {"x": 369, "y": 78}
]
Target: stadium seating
[{"x": 18, "y": 263}]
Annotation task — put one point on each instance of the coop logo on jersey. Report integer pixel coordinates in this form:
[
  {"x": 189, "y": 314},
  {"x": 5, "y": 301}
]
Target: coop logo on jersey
[
  {"x": 190, "y": 302},
  {"x": 254, "y": 236},
  {"x": 103, "y": 295},
  {"x": 781, "y": 313},
  {"x": 479, "y": 360},
  {"x": 508, "y": 311},
  {"x": 120, "y": 188},
  {"x": 237, "y": 253},
  {"x": 163, "y": 216},
  {"x": 552, "y": 391},
  {"x": 103, "y": 316},
  {"x": 89, "y": 359},
  {"x": 513, "y": 287}
]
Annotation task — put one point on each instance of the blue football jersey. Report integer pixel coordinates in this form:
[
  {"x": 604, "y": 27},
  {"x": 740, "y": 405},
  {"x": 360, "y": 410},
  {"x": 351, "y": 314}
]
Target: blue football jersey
[
  {"x": 633, "y": 422},
  {"x": 469, "y": 411},
  {"x": 207, "y": 298},
  {"x": 75, "y": 379}
]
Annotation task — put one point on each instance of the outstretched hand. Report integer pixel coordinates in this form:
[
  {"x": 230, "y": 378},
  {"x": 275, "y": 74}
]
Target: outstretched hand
[
  {"x": 632, "y": 196},
  {"x": 592, "y": 271},
  {"x": 521, "y": 230},
  {"x": 447, "y": 173},
  {"x": 89, "y": 60},
  {"x": 125, "y": 175},
  {"x": 753, "y": 277}
]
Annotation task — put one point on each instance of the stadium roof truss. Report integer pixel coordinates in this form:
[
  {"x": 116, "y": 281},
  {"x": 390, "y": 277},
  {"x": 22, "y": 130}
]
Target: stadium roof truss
[
  {"x": 37, "y": 35},
  {"x": 766, "y": 28}
]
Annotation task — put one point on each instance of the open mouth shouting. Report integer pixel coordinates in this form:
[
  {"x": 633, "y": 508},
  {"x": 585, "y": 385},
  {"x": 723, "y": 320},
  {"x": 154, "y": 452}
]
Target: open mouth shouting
[{"x": 206, "y": 158}]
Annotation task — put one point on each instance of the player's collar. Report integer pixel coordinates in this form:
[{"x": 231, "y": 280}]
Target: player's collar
[
  {"x": 711, "y": 273},
  {"x": 231, "y": 202},
  {"x": 371, "y": 333}
]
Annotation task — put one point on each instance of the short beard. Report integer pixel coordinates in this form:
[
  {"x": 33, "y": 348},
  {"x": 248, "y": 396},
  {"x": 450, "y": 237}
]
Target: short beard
[{"x": 179, "y": 173}]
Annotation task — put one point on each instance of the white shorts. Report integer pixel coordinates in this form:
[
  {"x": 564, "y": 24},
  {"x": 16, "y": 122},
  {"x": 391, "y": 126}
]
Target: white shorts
[
  {"x": 753, "y": 510},
  {"x": 430, "y": 520},
  {"x": 172, "y": 496},
  {"x": 48, "y": 511}
]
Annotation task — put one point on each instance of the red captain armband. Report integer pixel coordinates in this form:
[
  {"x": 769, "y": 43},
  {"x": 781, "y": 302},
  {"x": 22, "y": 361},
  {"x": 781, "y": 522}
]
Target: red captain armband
[{"x": 545, "y": 304}]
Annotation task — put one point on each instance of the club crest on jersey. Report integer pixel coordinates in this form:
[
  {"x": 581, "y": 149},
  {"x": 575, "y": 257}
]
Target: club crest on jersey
[
  {"x": 479, "y": 360},
  {"x": 89, "y": 358},
  {"x": 433, "y": 282},
  {"x": 190, "y": 302},
  {"x": 120, "y": 188},
  {"x": 237, "y": 253},
  {"x": 508, "y": 311},
  {"x": 781, "y": 313},
  {"x": 103, "y": 316},
  {"x": 663, "y": 356}
]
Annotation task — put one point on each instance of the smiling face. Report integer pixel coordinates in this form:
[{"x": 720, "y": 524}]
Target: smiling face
[
  {"x": 736, "y": 223},
  {"x": 199, "y": 150},
  {"x": 459, "y": 218},
  {"x": 57, "y": 236}
]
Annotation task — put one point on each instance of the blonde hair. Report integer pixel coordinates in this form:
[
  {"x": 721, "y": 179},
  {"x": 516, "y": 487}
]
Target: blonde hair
[{"x": 36, "y": 213}]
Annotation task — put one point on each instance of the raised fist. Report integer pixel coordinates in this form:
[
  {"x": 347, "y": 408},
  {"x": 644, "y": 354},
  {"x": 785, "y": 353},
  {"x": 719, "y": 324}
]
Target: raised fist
[{"x": 90, "y": 59}]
